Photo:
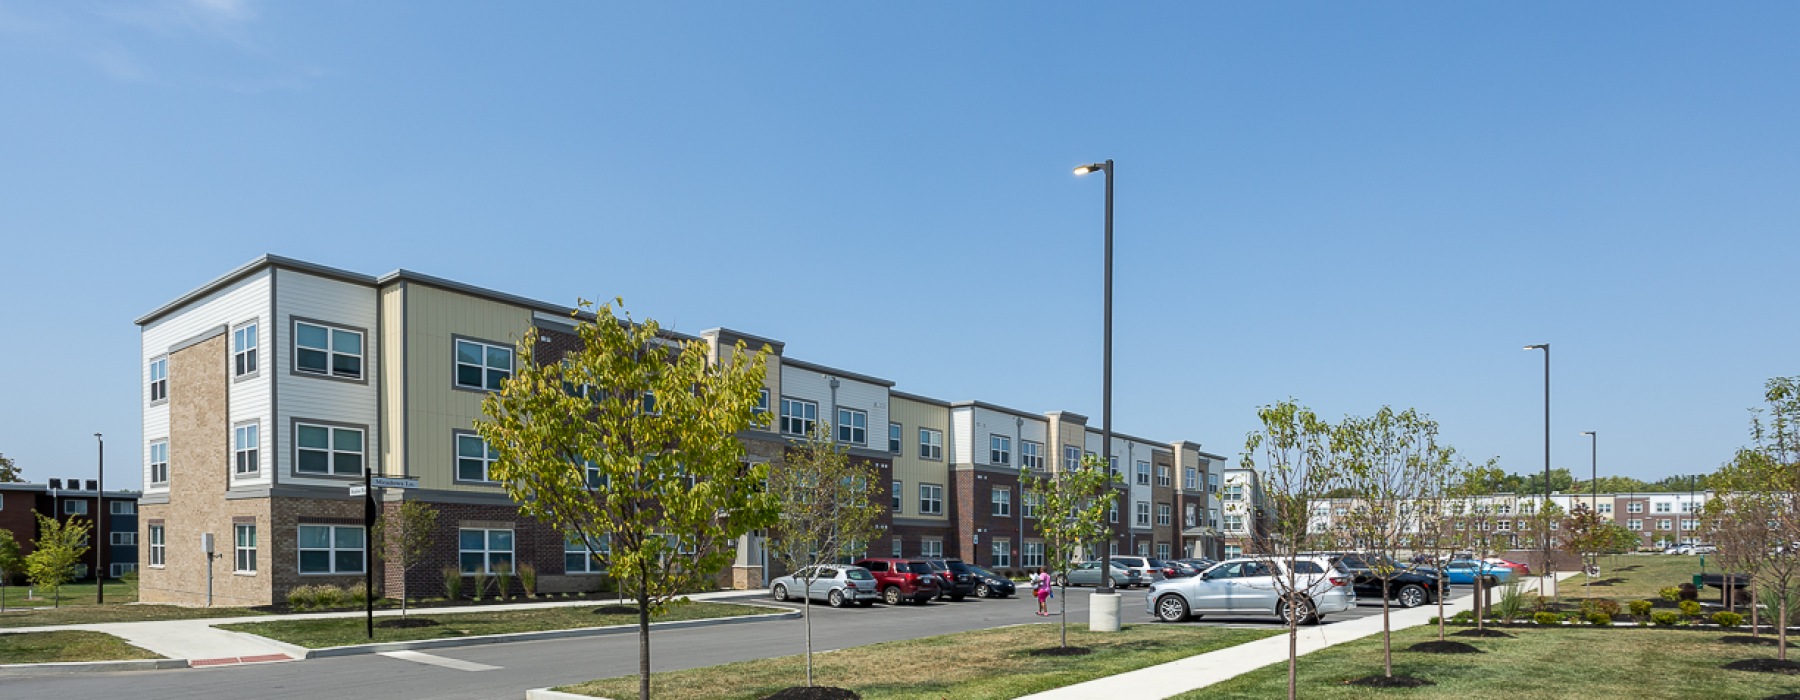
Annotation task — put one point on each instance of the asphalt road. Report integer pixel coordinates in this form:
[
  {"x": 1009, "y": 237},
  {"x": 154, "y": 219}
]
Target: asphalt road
[{"x": 496, "y": 671}]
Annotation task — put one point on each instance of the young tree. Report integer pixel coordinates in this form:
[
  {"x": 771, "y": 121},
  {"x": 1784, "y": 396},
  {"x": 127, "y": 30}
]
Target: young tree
[
  {"x": 1385, "y": 457},
  {"x": 60, "y": 546},
  {"x": 1762, "y": 481},
  {"x": 405, "y": 536},
  {"x": 1473, "y": 508},
  {"x": 827, "y": 514},
  {"x": 1440, "y": 480},
  {"x": 1740, "y": 527},
  {"x": 630, "y": 440},
  {"x": 11, "y": 564},
  {"x": 1585, "y": 534},
  {"x": 1300, "y": 462},
  {"x": 1072, "y": 515}
]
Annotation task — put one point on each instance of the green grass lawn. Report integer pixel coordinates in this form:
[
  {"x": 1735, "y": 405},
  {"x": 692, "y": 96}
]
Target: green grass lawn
[
  {"x": 47, "y": 647},
  {"x": 72, "y": 594},
  {"x": 1548, "y": 664},
  {"x": 318, "y": 634},
  {"x": 1643, "y": 576},
  {"x": 992, "y": 663},
  {"x": 79, "y": 607}
]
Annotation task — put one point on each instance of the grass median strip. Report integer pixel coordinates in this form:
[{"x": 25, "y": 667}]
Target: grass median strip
[
  {"x": 1547, "y": 664},
  {"x": 51, "y": 647},
  {"x": 993, "y": 663},
  {"x": 344, "y": 631}
]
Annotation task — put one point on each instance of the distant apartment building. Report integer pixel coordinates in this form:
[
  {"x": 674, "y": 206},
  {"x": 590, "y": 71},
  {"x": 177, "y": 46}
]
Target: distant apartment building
[
  {"x": 1246, "y": 512},
  {"x": 269, "y": 391},
  {"x": 1510, "y": 521},
  {"x": 112, "y": 516}
]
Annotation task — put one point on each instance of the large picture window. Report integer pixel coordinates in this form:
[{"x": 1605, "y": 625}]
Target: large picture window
[
  {"x": 474, "y": 457},
  {"x": 579, "y": 559},
  {"x": 1033, "y": 555},
  {"x": 485, "y": 551},
  {"x": 326, "y": 351},
  {"x": 328, "y": 450},
  {"x": 331, "y": 549},
  {"x": 482, "y": 365},
  {"x": 798, "y": 417}
]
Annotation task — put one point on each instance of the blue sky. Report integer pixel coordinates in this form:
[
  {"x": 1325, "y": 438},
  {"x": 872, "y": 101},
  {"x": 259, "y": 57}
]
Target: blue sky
[{"x": 1352, "y": 205}]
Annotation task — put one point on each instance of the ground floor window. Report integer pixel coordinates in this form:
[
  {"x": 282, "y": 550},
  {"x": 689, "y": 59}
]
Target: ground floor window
[
  {"x": 578, "y": 558},
  {"x": 1162, "y": 550},
  {"x": 122, "y": 569},
  {"x": 245, "y": 550},
  {"x": 1033, "y": 555},
  {"x": 485, "y": 551},
  {"x": 1233, "y": 551},
  {"x": 1002, "y": 552},
  {"x": 931, "y": 549},
  {"x": 1143, "y": 549},
  {"x": 157, "y": 550},
  {"x": 898, "y": 546},
  {"x": 331, "y": 549}
]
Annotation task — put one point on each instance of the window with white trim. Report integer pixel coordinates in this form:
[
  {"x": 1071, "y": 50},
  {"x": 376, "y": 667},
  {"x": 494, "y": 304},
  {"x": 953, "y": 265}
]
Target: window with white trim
[
  {"x": 1002, "y": 552},
  {"x": 1143, "y": 472},
  {"x": 1112, "y": 512},
  {"x": 894, "y": 439},
  {"x": 896, "y": 547},
  {"x": 245, "y": 551},
  {"x": 1634, "y": 507},
  {"x": 75, "y": 507},
  {"x": 1662, "y": 507},
  {"x": 482, "y": 366},
  {"x": 485, "y": 551},
  {"x": 1142, "y": 513},
  {"x": 931, "y": 549},
  {"x": 1164, "y": 475},
  {"x": 331, "y": 549},
  {"x": 1190, "y": 479},
  {"x": 647, "y": 404},
  {"x": 1234, "y": 523},
  {"x": 1164, "y": 514},
  {"x": 1032, "y": 502},
  {"x": 1162, "y": 550},
  {"x": 1190, "y": 516},
  {"x": 578, "y": 558},
  {"x": 931, "y": 499},
  {"x": 243, "y": 350},
  {"x": 798, "y": 417},
  {"x": 123, "y": 507},
  {"x": 931, "y": 444},
  {"x": 852, "y": 426},
  {"x": 1634, "y": 524},
  {"x": 895, "y": 495},
  {"x": 121, "y": 569},
  {"x": 1002, "y": 499},
  {"x": 999, "y": 449},
  {"x": 156, "y": 546},
  {"x": 1212, "y": 483},
  {"x": 1032, "y": 555},
  {"x": 1665, "y": 524},
  {"x": 1686, "y": 524},
  {"x": 328, "y": 450},
  {"x": 1143, "y": 549},
  {"x": 246, "y": 443},
  {"x": 123, "y": 539},
  {"x": 1031, "y": 454},
  {"x": 474, "y": 458},
  {"x": 159, "y": 463},
  {"x": 1235, "y": 492},
  {"x": 1071, "y": 456},
  {"x": 762, "y": 401},
  {"x": 327, "y": 352},
  {"x": 159, "y": 380},
  {"x": 1606, "y": 508}
]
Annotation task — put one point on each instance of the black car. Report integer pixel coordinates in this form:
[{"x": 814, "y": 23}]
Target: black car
[
  {"x": 991, "y": 585},
  {"x": 960, "y": 582},
  {"x": 1408, "y": 587}
]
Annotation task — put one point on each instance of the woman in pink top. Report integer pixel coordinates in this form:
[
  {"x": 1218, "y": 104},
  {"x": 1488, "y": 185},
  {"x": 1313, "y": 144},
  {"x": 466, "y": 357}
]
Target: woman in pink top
[{"x": 1041, "y": 586}]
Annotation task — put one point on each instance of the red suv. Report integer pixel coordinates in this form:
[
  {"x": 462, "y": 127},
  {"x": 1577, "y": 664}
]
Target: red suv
[{"x": 902, "y": 579}]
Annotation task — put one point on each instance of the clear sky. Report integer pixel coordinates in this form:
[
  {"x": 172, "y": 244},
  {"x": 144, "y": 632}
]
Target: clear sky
[{"x": 1352, "y": 205}]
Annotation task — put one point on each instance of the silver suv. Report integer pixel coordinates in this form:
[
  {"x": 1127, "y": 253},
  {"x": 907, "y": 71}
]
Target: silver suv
[
  {"x": 1251, "y": 586},
  {"x": 1148, "y": 569}
]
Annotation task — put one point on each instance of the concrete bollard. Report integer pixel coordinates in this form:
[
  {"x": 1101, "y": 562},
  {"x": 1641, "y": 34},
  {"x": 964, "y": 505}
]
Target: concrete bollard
[{"x": 1103, "y": 612}]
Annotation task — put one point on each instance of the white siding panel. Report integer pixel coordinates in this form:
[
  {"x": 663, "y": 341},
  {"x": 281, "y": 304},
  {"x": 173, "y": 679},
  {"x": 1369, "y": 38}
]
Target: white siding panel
[
  {"x": 962, "y": 424},
  {"x": 334, "y": 302},
  {"x": 811, "y": 385},
  {"x": 988, "y": 422},
  {"x": 241, "y": 301}
]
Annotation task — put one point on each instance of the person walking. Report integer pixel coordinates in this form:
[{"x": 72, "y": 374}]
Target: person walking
[{"x": 1040, "y": 585}]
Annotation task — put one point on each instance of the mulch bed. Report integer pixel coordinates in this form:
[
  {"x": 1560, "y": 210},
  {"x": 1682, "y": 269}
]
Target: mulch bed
[
  {"x": 817, "y": 692},
  {"x": 616, "y": 610},
  {"x": 1784, "y": 696},
  {"x": 1445, "y": 647},
  {"x": 1605, "y": 582},
  {"x": 405, "y": 622},
  {"x": 1746, "y": 639},
  {"x": 1472, "y": 632},
  {"x": 1791, "y": 668},
  {"x": 1061, "y": 651},
  {"x": 1390, "y": 682}
]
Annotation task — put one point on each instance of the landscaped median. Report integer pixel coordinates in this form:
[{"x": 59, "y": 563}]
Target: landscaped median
[
  {"x": 993, "y": 663},
  {"x": 339, "y": 632},
  {"x": 66, "y": 647}
]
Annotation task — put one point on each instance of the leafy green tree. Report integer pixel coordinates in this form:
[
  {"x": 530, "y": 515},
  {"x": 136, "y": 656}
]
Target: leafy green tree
[
  {"x": 827, "y": 514},
  {"x": 11, "y": 563},
  {"x": 1440, "y": 476},
  {"x": 59, "y": 548},
  {"x": 1585, "y": 534},
  {"x": 1072, "y": 515},
  {"x": 630, "y": 440},
  {"x": 405, "y": 537},
  {"x": 9, "y": 472},
  {"x": 1762, "y": 481},
  {"x": 1385, "y": 457}
]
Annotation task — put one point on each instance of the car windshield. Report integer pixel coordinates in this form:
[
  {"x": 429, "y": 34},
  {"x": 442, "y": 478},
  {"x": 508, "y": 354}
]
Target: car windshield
[
  {"x": 918, "y": 567},
  {"x": 858, "y": 575},
  {"x": 960, "y": 567}
]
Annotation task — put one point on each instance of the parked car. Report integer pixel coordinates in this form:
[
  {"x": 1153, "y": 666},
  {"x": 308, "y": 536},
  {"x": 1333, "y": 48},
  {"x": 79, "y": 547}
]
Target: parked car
[
  {"x": 1199, "y": 563},
  {"x": 1704, "y": 549},
  {"x": 1408, "y": 587},
  {"x": 954, "y": 580},
  {"x": 902, "y": 579},
  {"x": 836, "y": 585},
  {"x": 1253, "y": 587},
  {"x": 1176, "y": 568},
  {"x": 1464, "y": 571},
  {"x": 1087, "y": 573},
  {"x": 1148, "y": 569},
  {"x": 991, "y": 585}
]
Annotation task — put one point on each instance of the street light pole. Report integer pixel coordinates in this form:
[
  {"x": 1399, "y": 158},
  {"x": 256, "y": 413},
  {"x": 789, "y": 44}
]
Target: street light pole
[
  {"x": 1549, "y": 570},
  {"x": 1594, "y": 467},
  {"x": 100, "y": 524},
  {"x": 1104, "y": 608}
]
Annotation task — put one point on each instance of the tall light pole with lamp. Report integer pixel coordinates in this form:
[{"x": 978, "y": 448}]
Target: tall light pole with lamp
[
  {"x": 1103, "y": 607},
  {"x": 1548, "y": 582},
  {"x": 1594, "y": 479}
]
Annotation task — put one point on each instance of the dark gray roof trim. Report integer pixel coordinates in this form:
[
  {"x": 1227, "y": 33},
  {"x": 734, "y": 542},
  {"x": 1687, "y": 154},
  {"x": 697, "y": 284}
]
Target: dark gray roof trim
[
  {"x": 836, "y": 372},
  {"x": 1154, "y": 445},
  {"x": 1070, "y": 416},
  {"x": 728, "y": 336},
  {"x": 918, "y": 398},
  {"x": 251, "y": 268},
  {"x": 503, "y": 297},
  {"x": 1210, "y": 455},
  {"x": 1002, "y": 409}
]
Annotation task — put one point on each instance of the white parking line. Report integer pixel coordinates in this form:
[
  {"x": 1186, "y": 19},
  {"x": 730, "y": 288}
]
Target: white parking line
[{"x": 428, "y": 659}]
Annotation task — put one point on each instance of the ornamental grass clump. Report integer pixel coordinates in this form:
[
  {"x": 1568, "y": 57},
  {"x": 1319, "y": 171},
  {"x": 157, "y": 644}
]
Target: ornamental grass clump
[
  {"x": 528, "y": 579},
  {"x": 452, "y": 583}
]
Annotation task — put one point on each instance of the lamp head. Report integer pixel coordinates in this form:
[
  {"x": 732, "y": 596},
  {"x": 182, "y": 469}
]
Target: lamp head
[
  {"x": 1541, "y": 346},
  {"x": 1588, "y": 433},
  {"x": 1090, "y": 167}
]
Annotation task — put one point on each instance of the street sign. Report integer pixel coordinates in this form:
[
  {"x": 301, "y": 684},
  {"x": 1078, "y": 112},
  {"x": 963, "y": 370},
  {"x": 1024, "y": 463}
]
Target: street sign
[
  {"x": 388, "y": 482},
  {"x": 359, "y": 490}
]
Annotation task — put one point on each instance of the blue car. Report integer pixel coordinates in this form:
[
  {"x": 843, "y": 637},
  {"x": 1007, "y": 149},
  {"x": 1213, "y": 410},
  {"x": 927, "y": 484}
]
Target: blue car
[{"x": 1464, "y": 571}]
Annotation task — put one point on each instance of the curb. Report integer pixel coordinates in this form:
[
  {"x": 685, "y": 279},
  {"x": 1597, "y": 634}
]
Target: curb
[
  {"x": 63, "y": 667},
  {"x": 548, "y": 694},
  {"x": 355, "y": 649}
]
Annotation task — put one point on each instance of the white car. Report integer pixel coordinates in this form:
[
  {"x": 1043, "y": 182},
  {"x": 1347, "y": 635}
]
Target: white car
[
  {"x": 1252, "y": 586},
  {"x": 838, "y": 586}
]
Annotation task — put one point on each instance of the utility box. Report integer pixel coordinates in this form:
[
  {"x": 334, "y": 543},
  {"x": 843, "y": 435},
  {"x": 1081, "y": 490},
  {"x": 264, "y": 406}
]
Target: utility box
[{"x": 206, "y": 542}]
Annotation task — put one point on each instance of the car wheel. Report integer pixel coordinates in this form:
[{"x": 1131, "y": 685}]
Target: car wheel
[
  {"x": 891, "y": 595},
  {"x": 982, "y": 591},
  {"x": 1301, "y": 614},
  {"x": 781, "y": 592},
  {"x": 1411, "y": 596},
  {"x": 1171, "y": 608},
  {"x": 1062, "y": 580},
  {"x": 835, "y": 599}
]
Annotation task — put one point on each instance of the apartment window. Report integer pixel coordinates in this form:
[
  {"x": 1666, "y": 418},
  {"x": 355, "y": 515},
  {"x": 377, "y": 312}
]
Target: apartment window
[
  {"x": 1002, "y": 552},
  {"x": 1164, "y": 514},
  {"x": 327, "y": 352},
  {"x": 1460, "y": 526},
  {"x": 1190, "y": 516},
  {"x": 1212, "y": 517},
  {"x": 245, "y": 443},
  {"x": 1688, "y": 506},
  {"x": 1142, "y": 514},
  {"x": 1190, "y": 479},
  {"x": 331, "y": 549},
  {"x": 1032, "y": 502},
  {"x": 1686, "y": 524},
  {"x": 931, "y": 549},
  {"x": 1505, "y": 526},
  {"x": 762, "y": 401},
  {"x": 894, "y": 432},
  {"x": 1662, "y": 507},
  {"x": 1212, "y": 483},
  {"x": 931, "y": 499},
  {"x": 896, "y": 547},
  {"x": 1163, "y": 477},
  {"x": 1071, "y": 456},
  {"x": 1162, "y": 550},
  {"x": 485, "y": 551},
  {"x": 931, "y": 443},
  {"x": 1606, "y": 508},
  {"x": 243, "y": 350},
  {"x": 245, "y": 551},
  {"x": 1033, "y": 555},
  {"x": 123, "y": 539},
  {"x": 159, "y": 380},
  {"x": 1234, "y": 523},
  {"x": 1143, "y": 549},
  {"x": 474, "y": 458},
  {"x": 328, "y": 450},
  {"x": 647, "y": 404},
  {"x": 1634, "y": 507},
  {"x": 596, "y": 478},
  {"x": 1665, "y": 524},
  {"x": 1235, "y": 492},
  {"x": 482, "y": 366},
  {"x": 75, "y": 507},
  {"x": 578, "y": 558},
  {"x": 156, "y": 546},
  {"x": 1002, "y": 501},
  {"x": 123, "y": 507},
  {"x": 1031, "y": 454},
  {"x": 1112, "y": 548},
  {"x": 798, "y": 417},
  {"x": 1233, "y": 551},
  {"x": 159, "y": 462},
  {"x": 1112, "y": 512},
  {"x": 853, "y": 426},
  {"x": 899, "y": 487},
  {"x": 999, "y": 449},
  {"x": 1634, "y": 524},
  {"x": 121, "y": 569},
  {"x": 1503, "y": 510}
]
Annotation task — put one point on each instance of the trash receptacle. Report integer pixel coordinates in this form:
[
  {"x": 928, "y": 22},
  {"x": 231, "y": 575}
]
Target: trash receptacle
[{"x": 1699, "y": 581}]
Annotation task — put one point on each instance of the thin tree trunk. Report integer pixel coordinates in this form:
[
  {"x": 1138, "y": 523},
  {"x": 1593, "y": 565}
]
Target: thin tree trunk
[
  {"x": 806, "y": 614},
  {"x": 1387, "y": 634},
  {"x": 1755, "y": 631},
  {"x": 402, "y": 594},
  {"x": 1781, "y": 626},
  {"x": 1293, "y": 655},
  {"x": 644, "y": 634},
  {"x": 1480, "y": 622},
  {"x": 1440, "y": 597},
  {"x": 1063, "y": 610}
]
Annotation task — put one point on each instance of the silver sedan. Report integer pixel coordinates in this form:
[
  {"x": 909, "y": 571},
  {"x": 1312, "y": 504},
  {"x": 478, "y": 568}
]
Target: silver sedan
[
  {"x": 1087, "y": 573},
  {"x": 838, "y": 586}
]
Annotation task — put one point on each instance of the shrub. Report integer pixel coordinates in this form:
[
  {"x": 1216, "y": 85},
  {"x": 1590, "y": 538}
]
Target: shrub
[
  {"x": 1547, "y": 618},
  {"x": 1511, "y": 604},
  {"x": 357, "y": 594},
  {"x": 1600, "y": 619},
  {"x": 330, "y": 596},
  {"x": 1665, "y": 618},
  {"x": 1690, "y": 608},
  {"x": 1605, "y": 606},
  {"x": 452, "y": 582},
  {"x": 528, "y": 579},
  {"x": 301, "y": 597},
  {"x": 1465, "y": 617},
  {"x": 1670, "y": 594},
  {"x": 1727, "y": 619},
  {"x": 1687, "y": 592},
  {"x": 1640, "y": 608}
]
